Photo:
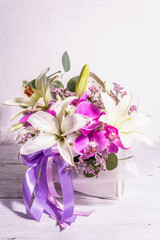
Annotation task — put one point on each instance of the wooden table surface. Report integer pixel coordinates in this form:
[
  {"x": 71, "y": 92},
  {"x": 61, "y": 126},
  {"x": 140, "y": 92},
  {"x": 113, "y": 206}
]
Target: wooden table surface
[{"x": 135, "y": 216}]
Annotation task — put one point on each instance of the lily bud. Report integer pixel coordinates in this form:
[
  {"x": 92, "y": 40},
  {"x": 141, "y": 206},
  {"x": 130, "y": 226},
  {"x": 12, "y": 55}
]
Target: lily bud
[
  {"x": 82, "y": 82},
  {"x": 16, "y": 127}
]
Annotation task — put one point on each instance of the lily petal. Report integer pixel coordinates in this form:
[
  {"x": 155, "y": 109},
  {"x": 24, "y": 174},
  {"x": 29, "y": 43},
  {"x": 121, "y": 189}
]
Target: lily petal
[
  {"x": 24, "y": 111},
  {"x": 47, "y": 94},
  {"x": 65, "y": 151},
  {"x": 38, "y": 143},
  {"x": 45, "y": 121},
  {"x": 40, "y": 82},
  {"x": 17, "y": 102},
  {"x": 123, "y": 106},
  {"x": 111, "y": 109},
  {"x": 126, "y": 139},
  {"x": 103, "y": 118},
  {"x": 135, "y": 120},
  {"x": 61, "y": 105},
  {"x": 73, "y": 122},
  {"x": 143, "y": 138}
]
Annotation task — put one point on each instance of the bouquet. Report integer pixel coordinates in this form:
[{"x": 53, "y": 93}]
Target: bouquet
[{"x": 71, "y": 132}]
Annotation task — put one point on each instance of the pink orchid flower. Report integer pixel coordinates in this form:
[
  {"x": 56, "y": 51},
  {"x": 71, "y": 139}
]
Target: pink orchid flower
[
  {"x": 87, "y": 146},
  {"x": 76, "y": 101},
  {"x": 114, "y": 140},
  {"x": 92, "y": 111}
]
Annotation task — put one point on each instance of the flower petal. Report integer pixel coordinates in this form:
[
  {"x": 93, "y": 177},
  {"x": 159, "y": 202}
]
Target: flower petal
[
  {"x": 24, "y": 111},
  {"x": 113, "y": 148},
  {"x": 88, "y": 109},
  {"x": 59, "y": 107},
  {"x": 18, "y": 102},
  {"x": 73, "y": 122},
  {"x": 65, "y": 151},
  {"x": 100, "y": 139},
  {"x": 40, "y": 82},
  {"x": 25, "y": 118},
  {"x": 79, "y": 144},
  {"x": 142, "y": 138},
  {"x": 38, "y": 143},
  {"x": 45, "y": 121},
  {"x": 126, "y": 139},
  {"x": 103, "y": 118},
  {"x": 123, "y": 106},
  {"x": 111, "y": 109},
  {"x": 135, "y": 120}
]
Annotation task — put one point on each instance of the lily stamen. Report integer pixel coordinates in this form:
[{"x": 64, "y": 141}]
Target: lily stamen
[{"x": 28, "y": 91}]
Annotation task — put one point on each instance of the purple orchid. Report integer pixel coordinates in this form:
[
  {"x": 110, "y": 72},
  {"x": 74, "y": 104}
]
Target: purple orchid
[
  {"x": 92, "y": 111},
  {"x": 87, "y": 146}
]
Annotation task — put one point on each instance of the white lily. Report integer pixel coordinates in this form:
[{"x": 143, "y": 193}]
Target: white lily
[
  {"x": 54, "y": 130},
  {"x": 127, "y": 124},
  {"x": 36, "y": 98}
]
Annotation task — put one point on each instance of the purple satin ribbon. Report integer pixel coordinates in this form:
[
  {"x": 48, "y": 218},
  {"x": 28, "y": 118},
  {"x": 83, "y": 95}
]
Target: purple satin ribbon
[{"x": 38, "y": 182}]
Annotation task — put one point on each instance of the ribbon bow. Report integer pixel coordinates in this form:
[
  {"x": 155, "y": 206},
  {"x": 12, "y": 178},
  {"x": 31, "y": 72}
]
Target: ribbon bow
[{"x": 38, "y": 182}]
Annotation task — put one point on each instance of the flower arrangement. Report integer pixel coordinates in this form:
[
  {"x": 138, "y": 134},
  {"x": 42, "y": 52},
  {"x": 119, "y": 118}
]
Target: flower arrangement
[{"x": 76, "y": 128}]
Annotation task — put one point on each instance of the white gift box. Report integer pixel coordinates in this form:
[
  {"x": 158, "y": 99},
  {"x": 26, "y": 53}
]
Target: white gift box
[{"x": 111, "y": 184}]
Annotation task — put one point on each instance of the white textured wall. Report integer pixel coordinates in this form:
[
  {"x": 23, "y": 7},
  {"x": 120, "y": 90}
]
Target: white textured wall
[{"x": 119, "y": 39}]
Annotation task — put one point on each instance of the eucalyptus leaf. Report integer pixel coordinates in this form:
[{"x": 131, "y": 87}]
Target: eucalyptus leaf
[
  {"x": 57, "y": 84},
  {"x": 66, "y": 62},
  {"x": 111, "y": 161},
  {"x": 72, "y": 83}
]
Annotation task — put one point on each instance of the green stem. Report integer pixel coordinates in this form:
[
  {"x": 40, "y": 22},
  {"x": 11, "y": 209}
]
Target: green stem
[{"x": 126, "y": 158}]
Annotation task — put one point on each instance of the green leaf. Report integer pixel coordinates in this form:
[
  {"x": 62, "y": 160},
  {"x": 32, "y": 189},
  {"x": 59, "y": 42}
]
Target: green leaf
[
  {"x": 72, "y": 83},
  {"x": 32, "y": 83},
  {"x": 57, "y": 84},
  {"x": 111, "y": 161},
  {"x": 66, "y": 62}
]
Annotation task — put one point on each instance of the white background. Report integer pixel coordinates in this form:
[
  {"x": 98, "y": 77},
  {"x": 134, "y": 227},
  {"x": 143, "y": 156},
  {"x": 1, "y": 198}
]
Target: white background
[{"x": 119, "y": 39}]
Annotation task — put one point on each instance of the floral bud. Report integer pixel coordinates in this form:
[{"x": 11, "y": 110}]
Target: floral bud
[{"x": 82, "y": 83}]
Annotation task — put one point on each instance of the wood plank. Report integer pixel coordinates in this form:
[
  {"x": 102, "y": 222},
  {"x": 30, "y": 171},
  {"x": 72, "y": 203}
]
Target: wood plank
[
  {"x": 113, "y": 220},
  {"x": 9, "y": 153}
]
